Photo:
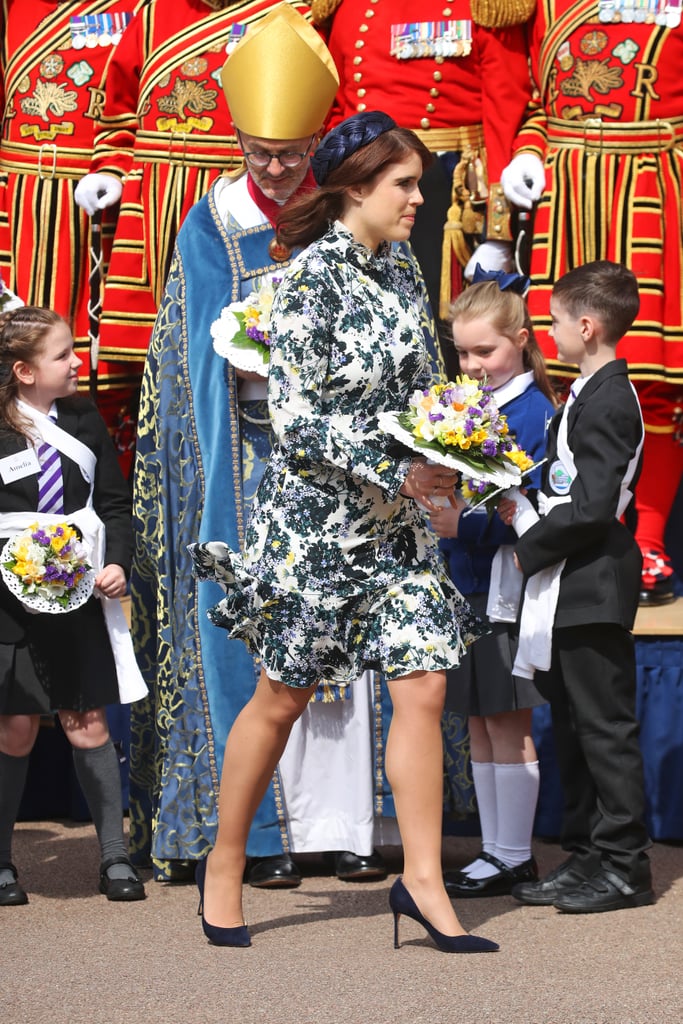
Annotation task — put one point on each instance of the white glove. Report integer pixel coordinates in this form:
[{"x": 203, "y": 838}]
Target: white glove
[
  {"x": 525, "y": 514},
  {"x": 97, "y": 191},
  {"x": 523, "y": 180},
  {"x": 490, "y": 256}
]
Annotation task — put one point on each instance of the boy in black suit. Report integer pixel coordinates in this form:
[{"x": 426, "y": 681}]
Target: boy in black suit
[{"x": 593, "y": 457}]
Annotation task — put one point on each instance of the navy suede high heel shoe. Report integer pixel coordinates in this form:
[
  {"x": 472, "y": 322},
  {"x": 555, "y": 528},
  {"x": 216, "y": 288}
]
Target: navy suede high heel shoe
[
  {"x": 218, "y": 936},
  {"x": 401, "y": 902}
]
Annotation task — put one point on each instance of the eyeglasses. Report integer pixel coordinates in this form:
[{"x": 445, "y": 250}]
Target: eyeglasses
[{"x": 261, "y": 158}]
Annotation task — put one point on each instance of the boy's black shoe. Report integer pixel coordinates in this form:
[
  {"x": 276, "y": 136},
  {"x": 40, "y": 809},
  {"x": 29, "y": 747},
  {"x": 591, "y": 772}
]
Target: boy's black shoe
[
  {"x": 565, "y": 878},
  {"x": 605, "y": 891}
]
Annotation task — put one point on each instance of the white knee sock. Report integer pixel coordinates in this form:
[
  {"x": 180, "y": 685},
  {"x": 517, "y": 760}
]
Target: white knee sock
[
  {"x": 516, "y": 787},
  {"x": 485, "y": 788},
  {"x": 517, "y": 793}
]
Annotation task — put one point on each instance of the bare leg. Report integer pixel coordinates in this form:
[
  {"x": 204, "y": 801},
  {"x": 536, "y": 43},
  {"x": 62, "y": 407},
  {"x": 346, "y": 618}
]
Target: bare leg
[
  {"x": 414, "y": 766},
  {"x": 254, "y": 747},
  {"x": 85, "y": 729},
  {"x": 510, "y": 737},
  {"x": 18, "y": 734}
]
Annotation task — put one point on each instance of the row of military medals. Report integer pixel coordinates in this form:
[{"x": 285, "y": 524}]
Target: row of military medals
[
  {"x": 91, "y": 30},
  {"x": 438, "y": 39},
  {"x": 652, "y": 12}
]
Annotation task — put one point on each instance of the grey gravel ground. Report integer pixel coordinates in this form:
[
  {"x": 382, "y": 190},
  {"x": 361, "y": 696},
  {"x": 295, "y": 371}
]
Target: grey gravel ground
[{"x": 323, "y": 953}]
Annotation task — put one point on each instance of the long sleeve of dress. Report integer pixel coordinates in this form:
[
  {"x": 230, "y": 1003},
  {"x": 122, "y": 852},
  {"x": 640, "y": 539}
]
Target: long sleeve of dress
[{"x": 338, "y": 327}]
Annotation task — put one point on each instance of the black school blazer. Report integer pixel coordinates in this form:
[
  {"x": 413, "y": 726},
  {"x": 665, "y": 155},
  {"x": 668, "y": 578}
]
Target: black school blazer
[{"x": 602, "y": 575}]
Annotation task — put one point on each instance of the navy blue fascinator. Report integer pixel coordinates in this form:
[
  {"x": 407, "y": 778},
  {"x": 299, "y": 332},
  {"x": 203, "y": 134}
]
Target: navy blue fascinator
[
  {"x": 506, "y": 282},
  {"x": 346, "y": 138}
]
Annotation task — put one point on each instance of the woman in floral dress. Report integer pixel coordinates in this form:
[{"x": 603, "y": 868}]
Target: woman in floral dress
[{"x": 339, "y": 571}]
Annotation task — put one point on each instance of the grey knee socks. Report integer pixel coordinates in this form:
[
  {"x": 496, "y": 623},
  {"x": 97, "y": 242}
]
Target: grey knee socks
[
  {"x": 13, "y": 772},
  {"x": 97, "y": 770}
]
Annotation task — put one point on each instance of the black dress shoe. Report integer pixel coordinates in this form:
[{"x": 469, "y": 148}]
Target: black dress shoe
[
  {"x": 11, "y": 893},
  {"x": 500, "y": 884},
  {"x": 565, "y": 878},
  {"x": 121, "y": 890},
  {"x": 605, "y": 891},
  {"x": 350, "y": 867},
  {"x": 278, "y": 872}
]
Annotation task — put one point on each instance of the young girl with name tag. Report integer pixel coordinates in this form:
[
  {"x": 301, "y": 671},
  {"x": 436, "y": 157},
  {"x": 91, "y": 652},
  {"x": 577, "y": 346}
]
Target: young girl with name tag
[{"x": 63, "y": 501}]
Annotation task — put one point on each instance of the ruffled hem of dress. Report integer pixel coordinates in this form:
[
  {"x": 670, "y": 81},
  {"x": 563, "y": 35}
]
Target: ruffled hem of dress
[{"x": 249, "y": 612}]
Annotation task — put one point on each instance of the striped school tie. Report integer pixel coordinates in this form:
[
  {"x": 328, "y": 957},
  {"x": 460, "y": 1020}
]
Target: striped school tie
[{"x": 50, "y": 482}]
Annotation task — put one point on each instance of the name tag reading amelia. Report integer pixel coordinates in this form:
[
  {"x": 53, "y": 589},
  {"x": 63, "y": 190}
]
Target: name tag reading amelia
[{"x": 19, "y": 465}]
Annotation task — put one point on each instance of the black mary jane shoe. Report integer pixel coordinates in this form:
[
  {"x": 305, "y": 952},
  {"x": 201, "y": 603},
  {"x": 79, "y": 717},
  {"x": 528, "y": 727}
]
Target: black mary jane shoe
[
  {"x": 350, "y": 867},
  {"x": 499, "y": 884},
  {"x": 121, "y": 890},
  {"x": 11, "y": 893},
  {"x": 278, "y": 872}
]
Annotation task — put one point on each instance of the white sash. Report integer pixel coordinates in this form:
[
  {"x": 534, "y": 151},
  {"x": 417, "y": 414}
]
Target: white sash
[
  {"x": 65, "y": 443},
  {"x": 542, "y": 591},
  {"x": 543, "y": 588},
  {"x": 505, "y": 589},
  {"x": 505, "y": 586},
  {"x": 132, "y": 686}
]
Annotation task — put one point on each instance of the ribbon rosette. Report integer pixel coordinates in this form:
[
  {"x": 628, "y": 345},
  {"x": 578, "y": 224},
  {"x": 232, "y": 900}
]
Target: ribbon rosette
[{"x": 241, "y": 334}]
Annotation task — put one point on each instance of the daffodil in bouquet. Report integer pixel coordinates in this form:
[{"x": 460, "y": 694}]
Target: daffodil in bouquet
[
  {"x": 478, "y": 492},
  {"x": 47, "y": 567},
  {"x": 241, "y": 334},
  {"x": 458, "y": 423}
]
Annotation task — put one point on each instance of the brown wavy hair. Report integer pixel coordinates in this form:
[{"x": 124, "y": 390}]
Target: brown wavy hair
[
  {"x": 307, "y": 217},
  {"x": 22, "y": 332}
]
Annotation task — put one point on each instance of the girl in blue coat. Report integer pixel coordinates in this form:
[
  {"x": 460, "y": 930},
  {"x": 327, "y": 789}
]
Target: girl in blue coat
[{"x": 494, "y": 341}]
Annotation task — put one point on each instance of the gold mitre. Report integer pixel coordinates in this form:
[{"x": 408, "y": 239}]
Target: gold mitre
[{"x": 280, "y": 79}]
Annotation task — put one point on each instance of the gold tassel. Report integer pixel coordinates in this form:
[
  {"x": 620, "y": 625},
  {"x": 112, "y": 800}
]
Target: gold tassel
[
  {"x": 321, "y": 10},
  {"x": 501, "y": 13}
]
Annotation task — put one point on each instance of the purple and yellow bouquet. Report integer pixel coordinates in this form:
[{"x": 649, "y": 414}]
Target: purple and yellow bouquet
[
  {"x": 241, "y": 334},
  {"x": 457, "y": 423},
  {"x": 47, "y": 568}
]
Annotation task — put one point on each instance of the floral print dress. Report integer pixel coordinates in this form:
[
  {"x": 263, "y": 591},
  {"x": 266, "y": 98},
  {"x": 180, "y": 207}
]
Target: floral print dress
[{"x": 340, "y": 572}]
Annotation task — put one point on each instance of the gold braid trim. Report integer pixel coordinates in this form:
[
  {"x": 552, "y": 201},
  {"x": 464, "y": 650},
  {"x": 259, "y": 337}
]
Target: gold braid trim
[
  {"x": 501, "y": 13},
  {"x": 321, "y": 10}
]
